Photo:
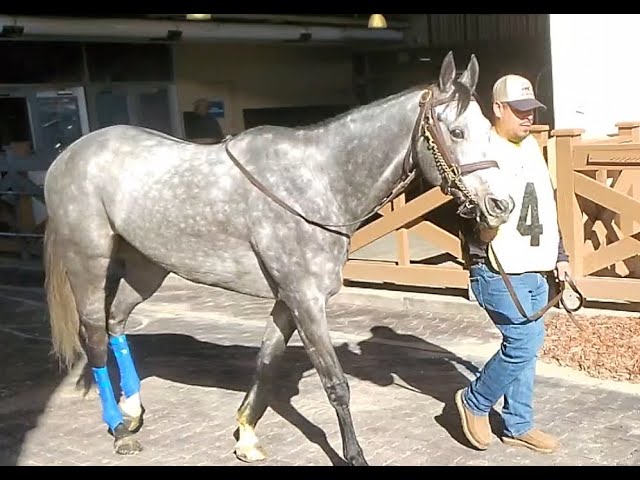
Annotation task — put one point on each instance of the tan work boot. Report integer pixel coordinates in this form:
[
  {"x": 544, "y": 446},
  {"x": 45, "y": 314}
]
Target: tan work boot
[
  {"x": 535, "y": 439},
  {"x": 475, "y": 427}
]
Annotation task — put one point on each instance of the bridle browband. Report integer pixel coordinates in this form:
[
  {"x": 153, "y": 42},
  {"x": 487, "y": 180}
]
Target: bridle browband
[{"x": 425, "y": 127}]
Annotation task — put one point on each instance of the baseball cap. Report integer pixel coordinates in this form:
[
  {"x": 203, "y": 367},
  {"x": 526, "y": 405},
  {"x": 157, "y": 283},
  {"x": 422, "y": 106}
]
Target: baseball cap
[{"x": 517, "y": 91}]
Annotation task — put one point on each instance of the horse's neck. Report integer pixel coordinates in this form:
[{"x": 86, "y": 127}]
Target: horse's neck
[{"x": 368, "y": 154}]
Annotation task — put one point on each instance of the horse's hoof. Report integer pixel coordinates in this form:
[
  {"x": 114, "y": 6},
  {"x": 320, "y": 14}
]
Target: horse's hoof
[
  {"x": 358, "y": 461},
  {"x": 250, "y": 453},
  {"x": 247, "y": 447},
  {"x": 127, "y": 446}
]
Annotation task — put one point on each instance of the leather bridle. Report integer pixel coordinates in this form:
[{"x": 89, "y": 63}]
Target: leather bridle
[
  {"x": 425, "y": 127},
  {"x": 451, "y": 172}
]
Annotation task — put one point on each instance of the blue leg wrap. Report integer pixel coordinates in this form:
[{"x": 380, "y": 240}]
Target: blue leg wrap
[
  {"x": 110, "y": 412},
  {"x": 129, "y": 381}
]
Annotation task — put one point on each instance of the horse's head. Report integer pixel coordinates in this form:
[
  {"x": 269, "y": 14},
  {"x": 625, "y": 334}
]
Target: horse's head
[{"x": 453, "y": 147}]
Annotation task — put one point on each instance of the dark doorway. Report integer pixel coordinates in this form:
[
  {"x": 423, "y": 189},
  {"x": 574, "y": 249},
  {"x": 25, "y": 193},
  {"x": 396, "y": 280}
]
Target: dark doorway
[{"x": 14, "y": 120}]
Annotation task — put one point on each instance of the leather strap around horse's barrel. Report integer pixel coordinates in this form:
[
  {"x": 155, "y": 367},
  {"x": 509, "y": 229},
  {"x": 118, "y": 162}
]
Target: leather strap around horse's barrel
[{"x": 558, "y": 298}]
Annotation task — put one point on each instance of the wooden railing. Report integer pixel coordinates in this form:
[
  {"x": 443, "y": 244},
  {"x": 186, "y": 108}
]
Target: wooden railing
[
  {"x": 402, "y": 218},
  {"x": 598, "y": 183},
  {"x": 598, "y": 188}
]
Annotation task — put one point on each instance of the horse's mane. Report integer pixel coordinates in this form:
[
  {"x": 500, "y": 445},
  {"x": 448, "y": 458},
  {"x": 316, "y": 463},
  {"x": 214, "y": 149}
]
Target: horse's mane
[
  {"x": 461, "y": 94},
  {"x": 359, "y": 108}
]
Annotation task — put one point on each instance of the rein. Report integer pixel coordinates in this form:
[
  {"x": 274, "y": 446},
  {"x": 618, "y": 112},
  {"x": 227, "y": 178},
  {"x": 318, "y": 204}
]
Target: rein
[
  {"x": 425, "y": 127},
  {"x": 559, "y": 297}
]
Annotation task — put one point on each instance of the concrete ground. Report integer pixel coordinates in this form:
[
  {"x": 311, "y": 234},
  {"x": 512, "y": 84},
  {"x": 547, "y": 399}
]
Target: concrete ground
[{"x": 195, "y": 348}]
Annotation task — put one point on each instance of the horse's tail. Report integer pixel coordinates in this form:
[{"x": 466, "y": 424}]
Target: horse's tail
[{"x": 63, "y": 315}]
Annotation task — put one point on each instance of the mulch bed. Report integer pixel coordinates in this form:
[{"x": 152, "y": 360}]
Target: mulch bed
[{"x": 608, "y": 349}]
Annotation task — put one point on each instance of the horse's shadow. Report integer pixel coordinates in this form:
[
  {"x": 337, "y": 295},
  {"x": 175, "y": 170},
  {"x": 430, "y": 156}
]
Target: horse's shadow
[
  {"x": 386, "y": 359},
  {"x": 29, "y": 376}
]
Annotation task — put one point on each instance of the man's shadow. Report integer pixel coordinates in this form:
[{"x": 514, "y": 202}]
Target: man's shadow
[
  {"x": 421, "y": 367},
  {"x": 387, "y": 359}
]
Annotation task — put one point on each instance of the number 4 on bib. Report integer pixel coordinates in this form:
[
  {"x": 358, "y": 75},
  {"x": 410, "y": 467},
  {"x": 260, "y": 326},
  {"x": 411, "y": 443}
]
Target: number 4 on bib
[{"x": 529, "y": 210}]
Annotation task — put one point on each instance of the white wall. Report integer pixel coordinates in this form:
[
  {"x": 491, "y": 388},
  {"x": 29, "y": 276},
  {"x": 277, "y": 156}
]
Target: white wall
[{"x": 595, "y": 70}]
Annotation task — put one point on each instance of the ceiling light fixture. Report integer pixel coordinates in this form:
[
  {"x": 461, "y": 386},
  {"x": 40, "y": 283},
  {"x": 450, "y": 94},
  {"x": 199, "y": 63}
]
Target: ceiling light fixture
[
  {"x": 198, "y": 16},
  {"x": 377, "y": 21}
]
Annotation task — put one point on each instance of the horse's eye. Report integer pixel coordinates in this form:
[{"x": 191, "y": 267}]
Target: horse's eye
[{"x": 457, "y": 133}]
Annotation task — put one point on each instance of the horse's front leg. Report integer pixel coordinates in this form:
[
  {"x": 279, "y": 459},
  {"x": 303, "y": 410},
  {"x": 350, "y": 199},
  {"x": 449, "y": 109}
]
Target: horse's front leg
[
  {"x": 311, "y": 321},
  {"x": 279, "y": 329}
]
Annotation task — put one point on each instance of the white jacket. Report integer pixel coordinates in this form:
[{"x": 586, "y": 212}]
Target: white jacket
[{"x": 528, "y": 242}]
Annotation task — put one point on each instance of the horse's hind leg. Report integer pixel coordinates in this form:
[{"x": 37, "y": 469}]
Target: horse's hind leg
[
  {"x": 88, "y": 277},
  {"x": 280, "y": 327},
  {"x": 141, "y": 279},
  {"x": 311, "y": 321}
]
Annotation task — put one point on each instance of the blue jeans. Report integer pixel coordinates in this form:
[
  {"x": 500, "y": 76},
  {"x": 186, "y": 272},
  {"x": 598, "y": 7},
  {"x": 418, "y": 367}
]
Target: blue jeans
[{"x": 511, "y": 371}]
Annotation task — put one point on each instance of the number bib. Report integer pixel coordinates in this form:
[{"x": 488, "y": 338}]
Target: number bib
[{"x": 528, "y": 242}]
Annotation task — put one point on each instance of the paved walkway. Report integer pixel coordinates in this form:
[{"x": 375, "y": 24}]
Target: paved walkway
[{"x": 195, "y": 349}]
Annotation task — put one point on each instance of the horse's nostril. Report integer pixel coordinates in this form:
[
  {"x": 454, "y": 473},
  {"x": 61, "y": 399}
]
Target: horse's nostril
[{"x": 497, "y": 206}]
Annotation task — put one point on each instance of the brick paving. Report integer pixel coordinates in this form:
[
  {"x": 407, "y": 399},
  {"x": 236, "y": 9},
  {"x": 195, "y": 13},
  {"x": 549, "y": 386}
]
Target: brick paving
[{"x": 195, "y": 349}]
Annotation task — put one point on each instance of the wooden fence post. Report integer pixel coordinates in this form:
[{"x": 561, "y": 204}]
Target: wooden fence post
[
  {"x": 629, "y": 129},
  {"x": 541, "y": 134},
  {"x": 569, "y": 213},
  {"x": 629, "y": 227},
  {"x": 547, "y": 146}
]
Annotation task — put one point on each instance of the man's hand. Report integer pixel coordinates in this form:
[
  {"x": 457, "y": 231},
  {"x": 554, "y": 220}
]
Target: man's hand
[{"x": 562, "y": 268}]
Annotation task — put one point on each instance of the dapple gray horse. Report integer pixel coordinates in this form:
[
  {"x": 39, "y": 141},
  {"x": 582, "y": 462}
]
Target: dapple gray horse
[{"x": 268, "y": 213}]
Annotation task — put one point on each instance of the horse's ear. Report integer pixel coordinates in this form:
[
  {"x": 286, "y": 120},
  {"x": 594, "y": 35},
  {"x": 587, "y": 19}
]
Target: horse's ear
[
  {"x": 447, "y": 72},
  {"x": 470, "y": 75}
]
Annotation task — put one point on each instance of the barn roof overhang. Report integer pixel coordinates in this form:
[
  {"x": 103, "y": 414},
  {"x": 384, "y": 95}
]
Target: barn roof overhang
[{"x": 295, "y": 29}]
